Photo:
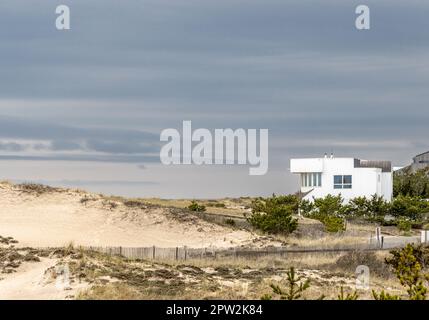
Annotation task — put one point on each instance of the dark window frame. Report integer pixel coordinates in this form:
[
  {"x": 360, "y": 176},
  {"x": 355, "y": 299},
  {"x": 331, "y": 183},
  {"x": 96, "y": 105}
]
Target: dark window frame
[{"x": 343, "y": 181}]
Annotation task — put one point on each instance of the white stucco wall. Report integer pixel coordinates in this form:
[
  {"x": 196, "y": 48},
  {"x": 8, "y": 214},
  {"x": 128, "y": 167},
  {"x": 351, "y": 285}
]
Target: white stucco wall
[
  {"x": 365, "y": 181},
  {"x": 387, "y": 185}
]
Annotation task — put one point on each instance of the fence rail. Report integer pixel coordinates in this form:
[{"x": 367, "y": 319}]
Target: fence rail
[{"x": 185, "y": 253}]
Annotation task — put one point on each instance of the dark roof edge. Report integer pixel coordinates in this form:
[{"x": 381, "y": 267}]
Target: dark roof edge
[
  {"x": 420, "y": 154},
  {"x": 385, "y": 166}
]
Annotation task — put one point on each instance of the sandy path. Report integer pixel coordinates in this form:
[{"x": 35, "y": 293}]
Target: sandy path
[
  {"x": 58, "y": 218},
  {"x": 30, "y": 283}
]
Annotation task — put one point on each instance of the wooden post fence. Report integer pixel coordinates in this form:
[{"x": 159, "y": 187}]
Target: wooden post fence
[
  {"x": 424, "y": 236},
  {"x": 186, "y": 253},
  {"x": 378, "y": 236}
]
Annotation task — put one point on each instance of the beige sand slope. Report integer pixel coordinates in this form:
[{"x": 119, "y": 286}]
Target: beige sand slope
[
  {"x": 33, "y": 281},
  {"x": 56, "y": 218}
]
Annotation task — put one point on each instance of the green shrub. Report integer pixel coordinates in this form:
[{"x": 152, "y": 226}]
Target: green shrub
[
  {"x": 410, "y": 207},
  {"x": 384, "y": 296},
  {"x": 296, "y": 285},
  {"x": 329, "y": 205},
  {"x": 358, "y": 207},
  {"x": 217, "y": 205},
  {"x": 290, "y": 200},
  {"x": 374, "y": 209},
  {"x": 415, "y": 184},
  {"x": 408, "y": 264},
  {"x": 274, "y": 215},
  {"x": 420, "y": 252},
  {"x": 306, "y": 207},
  {"x": 403, "y": 225},
  {"x": 383, "y": 221},
  {"x": 331, "y": 223},
  {"x": 348, "y": 296},
  {"x": 418, "y": 224},
  {"x": 377, "y": 206},
  {"x": 194, "y": 206},
  {"x": 329, "y": 210}
]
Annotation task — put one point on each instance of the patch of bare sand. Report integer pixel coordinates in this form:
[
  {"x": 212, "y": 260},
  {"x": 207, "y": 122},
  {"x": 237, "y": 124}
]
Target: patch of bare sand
[
  {"x": 58, "y": 217},
  {"x": 34, "y": 281}
]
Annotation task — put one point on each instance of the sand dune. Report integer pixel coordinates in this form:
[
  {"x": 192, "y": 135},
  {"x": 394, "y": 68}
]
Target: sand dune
[{"x": 57, "y": 217}]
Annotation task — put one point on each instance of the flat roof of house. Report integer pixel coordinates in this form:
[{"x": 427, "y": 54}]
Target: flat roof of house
[
  {"x": 421, "y": 154},
  {"x": 385, "y": 166}
]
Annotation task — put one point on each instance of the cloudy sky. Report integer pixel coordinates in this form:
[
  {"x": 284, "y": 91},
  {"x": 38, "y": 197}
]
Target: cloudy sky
[{"x": 85, "y": 107}]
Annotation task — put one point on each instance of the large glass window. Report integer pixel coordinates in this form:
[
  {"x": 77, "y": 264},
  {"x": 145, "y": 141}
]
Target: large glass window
[
  {"x": 311, "y": 179},
  {"x": 342, "y": 182},
  {"x": 338, "y": 180},
  {"x": 319, "y": 179}
]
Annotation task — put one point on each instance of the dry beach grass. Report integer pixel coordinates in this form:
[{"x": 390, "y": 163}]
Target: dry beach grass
[{"x": 64, "y": 219}]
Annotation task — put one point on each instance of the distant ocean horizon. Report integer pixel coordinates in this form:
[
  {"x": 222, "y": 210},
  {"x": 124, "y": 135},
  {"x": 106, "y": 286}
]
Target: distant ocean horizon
[{"x": 154, "y": 180}]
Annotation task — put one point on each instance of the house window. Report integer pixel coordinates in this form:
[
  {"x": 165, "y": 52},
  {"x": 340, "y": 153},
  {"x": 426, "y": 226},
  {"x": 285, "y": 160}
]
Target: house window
[
  {"x": 311, "y": 179},
  {"x": 342, "y": 182}
]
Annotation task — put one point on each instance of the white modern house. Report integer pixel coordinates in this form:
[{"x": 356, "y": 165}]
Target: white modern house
[{"x": 349, "y": 177}]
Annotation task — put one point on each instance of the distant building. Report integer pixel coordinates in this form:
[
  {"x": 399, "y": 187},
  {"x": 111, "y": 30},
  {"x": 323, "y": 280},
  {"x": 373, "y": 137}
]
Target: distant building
[
  {"x": 349, "y": 177},
  {"x": 420, "y": 161}
]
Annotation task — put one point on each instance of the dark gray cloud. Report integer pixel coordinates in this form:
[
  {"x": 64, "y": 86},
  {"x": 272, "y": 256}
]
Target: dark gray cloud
[
  {"x": 25, "y": 127},
  {"x": 71, "y": 138},
  {"x": 84, "y": 157},
  {"x": 65, "y": 145},
  {"x": 12, "y": 146},
  {"x": 122, "y": 147}
]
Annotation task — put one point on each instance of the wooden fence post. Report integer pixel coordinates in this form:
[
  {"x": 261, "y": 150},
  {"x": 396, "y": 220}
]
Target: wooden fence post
[
  {"x": 378, "y": 235},
  {"x": 422, "y": 236},
  {"x": 177, "y": 253},
  {"x": 186, "y": 252},
  {"x": 153, "y": 252}
]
